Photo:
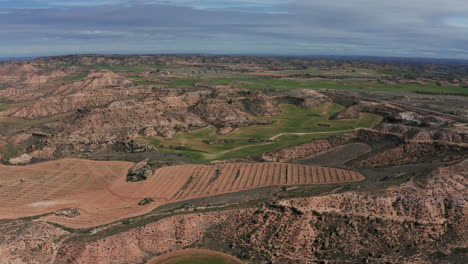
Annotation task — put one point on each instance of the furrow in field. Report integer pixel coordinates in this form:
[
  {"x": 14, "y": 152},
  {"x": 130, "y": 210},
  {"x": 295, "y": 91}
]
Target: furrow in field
[
  {"x": 238, "y": 178},
  {"x": 253, "y": 176},
  {"x": 226, "y": 179},
  {"x": 247, "y": 175},
  {"x": 214, "y": 186},
  {"x": 203, "y": 183}
]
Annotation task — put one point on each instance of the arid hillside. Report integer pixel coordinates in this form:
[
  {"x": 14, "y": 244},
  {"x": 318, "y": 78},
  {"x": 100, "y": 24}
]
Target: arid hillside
[{"x": 129, "y": 159}]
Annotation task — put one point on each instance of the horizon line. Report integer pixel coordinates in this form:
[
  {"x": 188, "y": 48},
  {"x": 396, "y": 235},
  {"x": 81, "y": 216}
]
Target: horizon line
[{"x": 264, "y": 55}]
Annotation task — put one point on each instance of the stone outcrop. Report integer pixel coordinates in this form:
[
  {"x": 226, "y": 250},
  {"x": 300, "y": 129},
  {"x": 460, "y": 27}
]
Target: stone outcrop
[
  {"x": 67, "y": 212},
  {"x": 20, "y": 160},
  {"x": 132, "y": 147},
  {"x": 368, "y": 107},
  {"x": 139, "y": 172},
  {"x": 306, "y": 150}
]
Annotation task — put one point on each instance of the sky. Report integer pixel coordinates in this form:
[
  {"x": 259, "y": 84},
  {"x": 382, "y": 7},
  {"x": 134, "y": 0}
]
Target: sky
[{"x": 398, "y": 28}]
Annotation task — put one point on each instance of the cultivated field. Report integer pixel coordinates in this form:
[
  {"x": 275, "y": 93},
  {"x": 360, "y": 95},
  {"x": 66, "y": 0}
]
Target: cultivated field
[
  {"x": 195, "y": 256},
  {"x": 364, "y": 80},
  {"x": 100, "y": 192}
]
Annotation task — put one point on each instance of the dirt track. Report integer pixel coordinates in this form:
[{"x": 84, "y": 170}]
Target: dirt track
[{"x": 100, "y": 192}]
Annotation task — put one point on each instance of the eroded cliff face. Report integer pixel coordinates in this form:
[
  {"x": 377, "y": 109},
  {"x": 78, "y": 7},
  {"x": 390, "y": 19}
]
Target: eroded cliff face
[
  {"x": 147, "y": 114},
  {"x": 308, "y": 149},
  {"x": 104, "y": 107},
  {"x": 420, "y": 221}
]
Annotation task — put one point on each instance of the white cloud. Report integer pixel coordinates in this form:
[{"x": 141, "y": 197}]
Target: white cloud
[
  {"x": 371, "y": 27},
  {"x": 457, "y": 21}
]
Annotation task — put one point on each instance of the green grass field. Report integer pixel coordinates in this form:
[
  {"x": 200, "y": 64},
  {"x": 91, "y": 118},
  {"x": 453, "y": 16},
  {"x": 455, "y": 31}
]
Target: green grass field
[
  {"x": 350, "y": 85},
  {"x": 265, "y": 83},
  {"x": 295, "y": 125},
  {"x": 134, "y": 77},
  {"x": 73, "y": 78}
]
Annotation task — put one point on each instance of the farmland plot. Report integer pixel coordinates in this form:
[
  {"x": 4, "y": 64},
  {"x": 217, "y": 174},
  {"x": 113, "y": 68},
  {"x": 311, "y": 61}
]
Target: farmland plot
[{"x": 101, "y": 194}]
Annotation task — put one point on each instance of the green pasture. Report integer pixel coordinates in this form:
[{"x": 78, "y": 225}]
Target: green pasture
[{"x": 295, "y": 125}]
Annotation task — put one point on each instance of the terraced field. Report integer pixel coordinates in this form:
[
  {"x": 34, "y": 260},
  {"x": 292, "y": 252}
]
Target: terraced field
[{"x": 101, "y": 194}]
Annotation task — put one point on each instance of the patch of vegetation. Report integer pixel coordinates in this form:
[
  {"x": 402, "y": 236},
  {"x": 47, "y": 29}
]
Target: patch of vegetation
[
  {"x": 215, "y": 176},
  {"x": 334, "y": 72},
  {"x": 295, "y": 125},
  {"x": 146, "y": 82},
  {"x": 350, "y": 85},
  {"x": 123, "y": 68},
  {"x": 19, "y": 123},
  {"x": 183, "y": 82},
  {"x": 415, "y": 74},
  {"x": 134, "y": 76},
  {"x": 435, "y": 93},
  {"x": 127, "y": 68},
  {"x": 73, "y": 78},
  {"x": 210, "y": 81},
  {"x": 10, "y": 151}
]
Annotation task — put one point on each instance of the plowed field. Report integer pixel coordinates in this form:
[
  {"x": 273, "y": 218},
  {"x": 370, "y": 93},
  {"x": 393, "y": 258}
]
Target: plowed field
[{"x": 100, "y": 192}]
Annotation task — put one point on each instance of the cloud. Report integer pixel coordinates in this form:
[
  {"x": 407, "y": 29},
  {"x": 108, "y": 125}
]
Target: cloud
[
  {"x": 333, "y": 27},
  {"x": 245, "y": 5}
]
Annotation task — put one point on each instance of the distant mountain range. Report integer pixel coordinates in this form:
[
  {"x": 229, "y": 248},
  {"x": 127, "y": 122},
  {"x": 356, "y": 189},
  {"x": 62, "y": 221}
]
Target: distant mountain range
[
  {"x": 17, "y": 58},
  {"x": 398, "y": 59}
]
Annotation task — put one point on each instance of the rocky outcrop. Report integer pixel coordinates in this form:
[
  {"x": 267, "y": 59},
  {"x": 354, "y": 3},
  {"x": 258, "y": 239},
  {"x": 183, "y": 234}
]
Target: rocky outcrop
[
  {"x": 104, "y": 79},
  {"x": 67, "y": 212},
  {"x": 261, "y": 105},
  {"x": 94, "y": 81},
  {"x": 132, "y": 147},
  {"x": 226, "y": 117},
  {"x": 412, "y": 118},
  {"x": 37, "y": 79},
  {"x": 368, "y": 107},
  {"x": 86, "y": 132},
  {"x": 311, "y": 98},
  {"x": 424, "y": 134},
  {"x": 306, "y": 150},
  {"x": 20, "y": 160},
  {"x": 221, "y": 114},
  {"x": 145, "y": 201},
  {"x": 54, "y": 105},
  {"x": 412, "y": 152},
  {"x": 139, "y": 172}
]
